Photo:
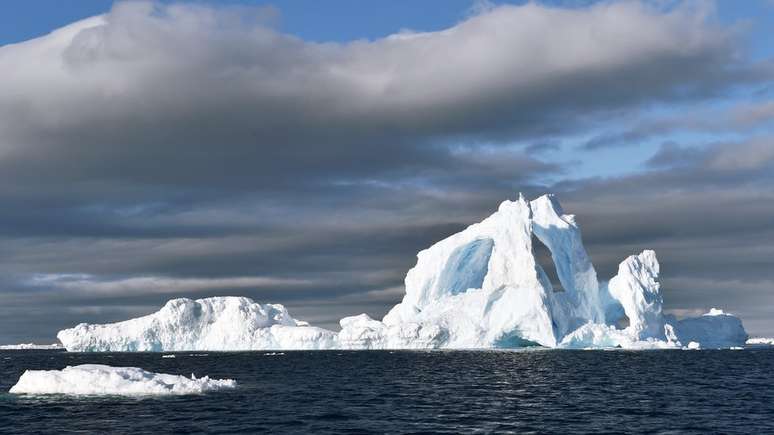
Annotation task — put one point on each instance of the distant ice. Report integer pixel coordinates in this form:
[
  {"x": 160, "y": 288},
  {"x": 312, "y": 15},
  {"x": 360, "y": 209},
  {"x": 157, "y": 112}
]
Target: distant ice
[
  {"x": 95, "y": 379},
  {"x": 31, "y": 346},
  {"x": 761, "y": 341},
  {"x": 481, "y": 288}
]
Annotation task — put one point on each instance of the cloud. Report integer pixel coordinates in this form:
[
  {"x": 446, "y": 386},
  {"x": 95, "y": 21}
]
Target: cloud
[
  {"x": 86, "y": 284},
  {"x": 183, "y": 96},
  {"x": 739, "y": 118}
]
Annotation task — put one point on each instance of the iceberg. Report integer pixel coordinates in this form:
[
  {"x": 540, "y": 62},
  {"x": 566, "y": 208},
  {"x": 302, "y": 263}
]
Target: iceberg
[
  {"x": 96, "y": 379},
  {"x": 715, "y": 330},
  {"x": 481, "y": 288},
  {"x": 218, "y": 323}
]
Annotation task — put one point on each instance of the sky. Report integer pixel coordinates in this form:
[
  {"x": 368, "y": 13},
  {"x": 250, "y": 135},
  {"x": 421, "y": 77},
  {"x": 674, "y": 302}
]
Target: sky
[{"x": 303, "y": 155}]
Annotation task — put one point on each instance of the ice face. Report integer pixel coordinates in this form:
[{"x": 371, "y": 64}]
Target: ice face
[
  {"x": 95, "y": 379},
  {"x": 479, "y": 288},
  {"x": 466, "y": 267},
  {"x": 713, "y": 330}
]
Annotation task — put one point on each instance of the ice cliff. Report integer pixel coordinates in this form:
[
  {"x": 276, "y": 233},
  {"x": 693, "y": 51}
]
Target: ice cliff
[{"x": 479, "y": 288}]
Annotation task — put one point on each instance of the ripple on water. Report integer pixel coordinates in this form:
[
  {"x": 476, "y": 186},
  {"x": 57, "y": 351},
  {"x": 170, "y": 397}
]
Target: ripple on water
[{"x": 403, "y": 391}]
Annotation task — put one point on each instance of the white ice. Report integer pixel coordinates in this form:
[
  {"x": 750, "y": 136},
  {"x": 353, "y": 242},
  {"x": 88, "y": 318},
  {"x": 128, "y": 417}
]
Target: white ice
[
  {"x": 479, "y": 288},
  {"x": 760, "y": 341},
  {"x": 218, "y": 323},
  {"x": 31, "y": 346},
  {"x": 95, "y": 379}
]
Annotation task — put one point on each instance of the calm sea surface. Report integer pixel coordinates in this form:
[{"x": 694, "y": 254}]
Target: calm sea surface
[{"x": 545, "y": 391}]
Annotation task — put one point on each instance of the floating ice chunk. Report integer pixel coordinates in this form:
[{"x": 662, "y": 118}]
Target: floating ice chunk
[
  {"x": 758, "y": 341},
  {"x": 31, "y": 346},
  {"x": 599, "y": 336},
  {"x": 693, "y": 346},
  {"x": 95, "y": 379}
]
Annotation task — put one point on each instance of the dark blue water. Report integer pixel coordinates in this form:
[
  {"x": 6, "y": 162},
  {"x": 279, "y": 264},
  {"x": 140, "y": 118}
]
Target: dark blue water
[{"x": 417, "y": 392}]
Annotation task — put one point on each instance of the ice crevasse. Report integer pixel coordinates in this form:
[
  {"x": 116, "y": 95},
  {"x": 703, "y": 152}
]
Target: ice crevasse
[{"x": 479, "y": 288}]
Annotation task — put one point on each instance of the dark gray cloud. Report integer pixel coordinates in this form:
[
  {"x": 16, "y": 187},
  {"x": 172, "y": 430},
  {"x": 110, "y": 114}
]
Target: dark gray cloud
[
  {"x": 192, "y": 97},
  {"x": 164, "y": 151}
]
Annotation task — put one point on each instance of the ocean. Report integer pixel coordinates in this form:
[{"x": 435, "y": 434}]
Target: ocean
[{"x": 318, "y": 392}]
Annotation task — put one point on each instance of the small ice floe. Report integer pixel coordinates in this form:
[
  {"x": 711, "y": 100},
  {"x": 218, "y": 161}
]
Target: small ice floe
[
  {"x": 693, "y": 346},
  {"x": 274, "y": 353},
  {"x": 97, "y": 379},
  {"x": 167, "y": 356},
  {"x": 760, "y": 341},
  {"x": 31, "y": 346}
]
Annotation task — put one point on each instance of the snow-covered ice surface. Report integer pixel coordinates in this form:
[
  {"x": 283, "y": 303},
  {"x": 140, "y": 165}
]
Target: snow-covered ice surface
[
  {"x": 479, "y": 288},
  {"x": 220, "y": 323},
  {"x": 31, "y": 346},
  {"x": 96, "y": 379}
]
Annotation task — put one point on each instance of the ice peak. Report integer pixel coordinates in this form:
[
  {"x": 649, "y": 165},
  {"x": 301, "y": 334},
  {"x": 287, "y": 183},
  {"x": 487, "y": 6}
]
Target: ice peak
[
  {"x": 549, "y": 200},
  {"x": 637, "y": 288}
]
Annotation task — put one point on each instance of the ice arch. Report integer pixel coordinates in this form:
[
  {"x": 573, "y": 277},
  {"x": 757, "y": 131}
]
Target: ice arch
[
  {"x": 466, "y": 267},
  {"x": 561, "y": 235}
]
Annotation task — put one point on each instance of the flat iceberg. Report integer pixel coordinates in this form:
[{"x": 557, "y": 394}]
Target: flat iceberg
[
  {"x": 760, "y": 341},
  {"x": 714, "y": 329},
  {"x": 31, "y": 346},
  {"x": 96, "y": 379},
  {"x": 218, "y": 323},
  {"x": 481, "y": 288}
]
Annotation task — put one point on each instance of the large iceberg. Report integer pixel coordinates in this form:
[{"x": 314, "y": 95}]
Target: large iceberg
[
  {"x": 219, "y": 323},
  {"x": 479, "y": 288},
  {"x": 96, "y": 379}
]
